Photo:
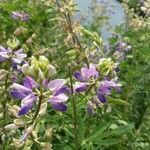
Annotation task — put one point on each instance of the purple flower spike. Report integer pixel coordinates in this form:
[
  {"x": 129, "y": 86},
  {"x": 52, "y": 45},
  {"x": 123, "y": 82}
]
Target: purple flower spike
[{"x": 29, "y": 83}]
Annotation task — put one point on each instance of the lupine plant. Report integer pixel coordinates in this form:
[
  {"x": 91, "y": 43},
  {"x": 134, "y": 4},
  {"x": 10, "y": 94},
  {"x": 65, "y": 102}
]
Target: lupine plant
[{"x": 62, "y": 86}]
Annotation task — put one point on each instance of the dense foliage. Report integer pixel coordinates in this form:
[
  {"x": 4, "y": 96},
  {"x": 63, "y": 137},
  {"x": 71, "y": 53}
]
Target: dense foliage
[{"x": 63, "y": 87}]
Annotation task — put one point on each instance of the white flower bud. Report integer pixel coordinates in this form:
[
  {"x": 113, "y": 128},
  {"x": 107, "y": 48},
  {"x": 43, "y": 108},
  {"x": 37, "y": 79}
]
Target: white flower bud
[
  {"x": 41, "y": 74},
  {"x": 19, "y": 122},
  {"x": 11, "y": 127},
  {"x": 51, "y": 71},
  {"x": 43, "y": 109},
  {"x": 25, "y": 68}
]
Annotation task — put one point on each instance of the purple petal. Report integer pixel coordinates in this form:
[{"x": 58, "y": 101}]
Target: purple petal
[
  {"x": 106, "y": 87},
  {"x": 63, "y": 89},
  {"x": 24, "y": 110},
  {"x": 29, "y": 83},
  {"x": 45, "y": 83},
  {"x": 80, "y": 87},
  {"x": 87, "y": 73},
  {"x": 26, "y": 104},
  {"x": 18, "y": 87},
  {"x": 78, "y": 76},
  {"x": 58, "y": 98},
  {"x": 30, "y": 99},
  {"x": 56, "y": 84},
  {"x": 17, "y": 94},
  {"x": 59, "y": 106},
  {"x": 101, "y": 97}
]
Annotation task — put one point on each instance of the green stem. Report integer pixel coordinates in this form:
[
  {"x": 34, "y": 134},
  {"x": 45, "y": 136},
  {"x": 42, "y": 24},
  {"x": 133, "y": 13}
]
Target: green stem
[
  {"x": 39, "y": 105},
  {"x": 74, "y": 111}
]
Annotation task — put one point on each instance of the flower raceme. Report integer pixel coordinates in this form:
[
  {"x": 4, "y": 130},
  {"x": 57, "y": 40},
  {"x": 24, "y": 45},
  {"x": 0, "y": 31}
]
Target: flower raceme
[
  {"x": 17, "y": 57},
  {"x": 29, "y": 94},
  {"x": 89, "y": 77}
]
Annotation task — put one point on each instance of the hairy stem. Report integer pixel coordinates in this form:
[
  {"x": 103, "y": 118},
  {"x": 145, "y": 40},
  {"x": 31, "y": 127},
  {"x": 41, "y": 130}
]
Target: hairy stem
[
  {"x": 75, "y": 39},
  {"x": 39, "y": 105},
  {"x": 74, "y": 110}
]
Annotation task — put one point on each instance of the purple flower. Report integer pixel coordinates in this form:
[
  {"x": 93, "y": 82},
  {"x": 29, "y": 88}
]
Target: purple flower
[
  {"x": 25, "y": 94},
  {"x": 17, "y": 57},
  {"x": 105, "y": 88},
  {"x": 85, "y": 76},
  {"x": 20, "y": 16},
  {"x": 58, "y": 97},
  {"x": 3, "y": 54}
]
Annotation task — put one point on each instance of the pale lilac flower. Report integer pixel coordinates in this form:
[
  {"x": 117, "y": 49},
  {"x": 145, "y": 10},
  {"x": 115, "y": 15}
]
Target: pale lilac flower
[
  {"x": 25, "y": 94},
  {"x": 58, "y": 98},
  {"x": 85, "y": 77},
  {"x": 3, "y": 54},
  {"x": 17, "y": 57},
  {"x": 20, "y": 16},
  {"x": 105, "y": 89}
]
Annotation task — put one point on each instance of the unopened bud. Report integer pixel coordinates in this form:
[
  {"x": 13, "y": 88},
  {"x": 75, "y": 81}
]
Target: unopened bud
[
  {"x": 41, "y": 74},
  {"x": 25, "y": 68},
  {"x": 43, "y": 109},
  {"x": 3, "y": 74},
  {"x": 14, "y": 43},
  {"x": 51, "y": 71},
  {"x": 19, "y": 122},
  {"x": 11, "y": 127}
]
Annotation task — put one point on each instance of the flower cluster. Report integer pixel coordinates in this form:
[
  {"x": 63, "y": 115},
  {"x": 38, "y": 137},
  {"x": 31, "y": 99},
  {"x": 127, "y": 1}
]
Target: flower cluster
[
  {"x": 16, "y": 57},
  {"x": 29, "y": 93},
  {"x": 89, "y": 78}
]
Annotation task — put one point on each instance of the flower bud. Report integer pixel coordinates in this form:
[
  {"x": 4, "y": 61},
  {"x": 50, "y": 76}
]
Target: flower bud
[
  {"x": 29, "y": 41},
  {"x": 27, "y": 133},
  {"x": 31, "y": 70},
  {"x": 43, "y": 62},
  {"x": 19, "y": 122},
  {"x": 3, "y": 74},
  {"x": 41, "y": 74},
  {"x": 25, "y": 68},
  {"x": 11, "y": 127},
  {"x": 143, "y": 9},
  {"x": 14, "y": 111},
  {"x": 48, "y": 133},
  {"x": 46, "y": 146},
  {"x": 51, "y": 71},
  {"x": 14, "y": 43},
  {"x": 43, "y": 109}
]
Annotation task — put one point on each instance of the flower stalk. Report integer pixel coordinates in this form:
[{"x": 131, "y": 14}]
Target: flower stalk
[{"x": 74, "y": 110}]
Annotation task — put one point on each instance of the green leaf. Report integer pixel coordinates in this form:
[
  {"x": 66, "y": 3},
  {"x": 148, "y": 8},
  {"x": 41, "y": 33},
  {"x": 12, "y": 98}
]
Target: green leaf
[
  {"x": 119, "y": 131},
  {"x": 98, "y": 132},
  {"x": 119, "y": 102},
  {"x": 106, "y": 142}
]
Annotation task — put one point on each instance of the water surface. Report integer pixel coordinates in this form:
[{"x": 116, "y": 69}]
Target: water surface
[{"x": 111, "y": 8}]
